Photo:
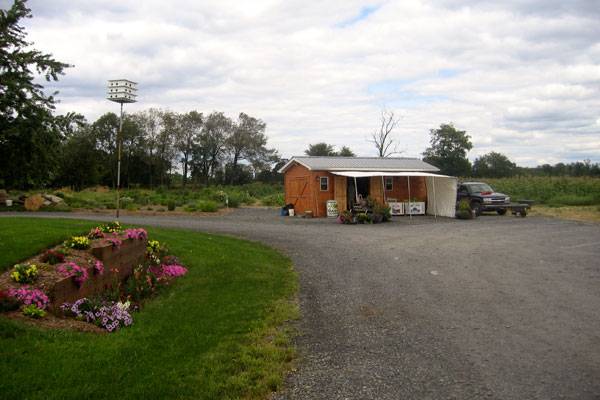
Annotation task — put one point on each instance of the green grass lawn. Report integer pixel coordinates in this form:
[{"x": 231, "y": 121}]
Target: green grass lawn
[{"x": 217, "y": 333}]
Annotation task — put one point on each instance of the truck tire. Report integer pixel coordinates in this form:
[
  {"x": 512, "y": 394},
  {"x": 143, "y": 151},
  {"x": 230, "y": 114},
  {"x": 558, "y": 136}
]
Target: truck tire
[
  {"x": 501, "y": 212},
  {"x": 476, "y": 208}
]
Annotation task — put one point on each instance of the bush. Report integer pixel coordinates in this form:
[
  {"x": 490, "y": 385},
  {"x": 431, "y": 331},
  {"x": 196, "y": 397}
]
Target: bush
[
  {"x": 132, "y": 207},
  {"x": 273, "y": 200},
  {"x": 189, "y": 208},
  {"x": 207, "y": 206},
  {"x": 171, "y": 205}
]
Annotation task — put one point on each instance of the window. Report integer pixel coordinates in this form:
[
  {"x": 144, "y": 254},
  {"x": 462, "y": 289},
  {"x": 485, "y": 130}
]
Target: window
[
  {"x": 389, "y": 183},
  {"x": 324, "y": 183}
]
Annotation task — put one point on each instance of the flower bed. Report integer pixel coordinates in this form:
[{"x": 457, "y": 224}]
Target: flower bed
[{"x": 92, "y": 284}]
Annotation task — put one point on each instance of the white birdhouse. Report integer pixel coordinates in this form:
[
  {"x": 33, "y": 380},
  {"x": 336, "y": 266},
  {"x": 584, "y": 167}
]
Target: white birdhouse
[{"x": 122, "y": 91}]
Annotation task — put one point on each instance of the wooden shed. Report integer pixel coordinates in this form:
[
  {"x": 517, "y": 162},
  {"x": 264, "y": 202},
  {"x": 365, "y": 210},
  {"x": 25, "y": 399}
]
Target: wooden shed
[{"x": 312, "y": 181}]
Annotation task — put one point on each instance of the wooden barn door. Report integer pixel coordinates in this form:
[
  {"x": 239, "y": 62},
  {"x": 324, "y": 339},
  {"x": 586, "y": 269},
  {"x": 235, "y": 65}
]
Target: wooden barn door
[
  {"x": 300, "y": 191},
  {"x": 376, "y": 189},
  {"x": 339, "y": 192}
]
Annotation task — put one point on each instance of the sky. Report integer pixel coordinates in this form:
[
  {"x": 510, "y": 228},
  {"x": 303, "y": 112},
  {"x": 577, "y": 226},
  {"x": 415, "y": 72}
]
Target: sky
[{"x": 521, "y": 77}]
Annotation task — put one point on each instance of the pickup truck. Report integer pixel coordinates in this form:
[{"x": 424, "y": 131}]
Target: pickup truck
[{"x": 482, "y": 197}]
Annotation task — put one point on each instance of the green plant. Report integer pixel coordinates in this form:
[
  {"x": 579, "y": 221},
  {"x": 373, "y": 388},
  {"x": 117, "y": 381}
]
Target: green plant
[
  {"x": 464, "y": 210},
  {"x": 132, "y": 207},
  {"x": 32, "y": 311},
  {"x": 207, "y": 206},
  {"x": 25, "y": 273},
  {"x": 171, "y": 205},
  {"x": 45, "y": 267},
  {"x": 189, "y": 208},
  {"x": 384, "y": 210}
]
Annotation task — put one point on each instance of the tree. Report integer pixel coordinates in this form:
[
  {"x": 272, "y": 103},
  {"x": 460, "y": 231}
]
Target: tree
[
  {"x": 385, "y": 143},
  {"x": 150, "y": 123},
  {"x": 186, "y": 137},
  {"x": 448, "y": 150},
  {"x": 105, "y": 131},
  {"x": 327, "y": 150},
  {"x": 29, "y": 138},
  {"x": 320, "y": 149},
  {"x": 79, "y": 160},
  {"x": 494, "y": 165},
  {"x": 248, "y": 142},
  {"x": 209, "y": 151},
  {"x": 346, "y": 152}
]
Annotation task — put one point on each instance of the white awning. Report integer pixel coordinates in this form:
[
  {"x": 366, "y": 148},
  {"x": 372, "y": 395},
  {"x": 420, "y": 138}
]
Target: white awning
[
  {"x": 441, "y": 189},
  {"x": 364, "y": 174}
]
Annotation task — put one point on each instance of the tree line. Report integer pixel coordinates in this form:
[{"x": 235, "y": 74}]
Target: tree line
[{"x": 159, "y": 145}]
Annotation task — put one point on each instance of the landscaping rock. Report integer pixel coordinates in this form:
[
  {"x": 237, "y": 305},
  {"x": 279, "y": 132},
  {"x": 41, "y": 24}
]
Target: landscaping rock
[{"x": 53, "y": 199}]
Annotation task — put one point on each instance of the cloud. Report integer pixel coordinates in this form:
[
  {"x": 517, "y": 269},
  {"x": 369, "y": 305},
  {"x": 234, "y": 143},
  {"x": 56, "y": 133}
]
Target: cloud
[{"x": 521, "y": 77}]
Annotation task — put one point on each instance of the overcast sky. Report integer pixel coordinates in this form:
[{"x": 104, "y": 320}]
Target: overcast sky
[{"x": 521, "y": 77}]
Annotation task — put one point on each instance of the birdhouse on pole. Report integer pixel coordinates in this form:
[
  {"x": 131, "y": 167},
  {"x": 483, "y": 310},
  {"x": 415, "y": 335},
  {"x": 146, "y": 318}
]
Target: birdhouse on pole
[{"x": 122, "y": 91}]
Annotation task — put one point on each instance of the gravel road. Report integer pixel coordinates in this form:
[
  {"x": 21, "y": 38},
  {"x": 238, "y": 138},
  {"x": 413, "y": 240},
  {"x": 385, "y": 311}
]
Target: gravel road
[{"x": 497, "y": 307}]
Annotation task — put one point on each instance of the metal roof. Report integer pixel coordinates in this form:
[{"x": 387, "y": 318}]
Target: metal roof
[{"x": 398, "y": 164}]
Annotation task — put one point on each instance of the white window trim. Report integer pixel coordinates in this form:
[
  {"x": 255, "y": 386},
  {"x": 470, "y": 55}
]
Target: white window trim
[
  {"x": 391, "y": 178},
  {"x": 321, "y": 183}
]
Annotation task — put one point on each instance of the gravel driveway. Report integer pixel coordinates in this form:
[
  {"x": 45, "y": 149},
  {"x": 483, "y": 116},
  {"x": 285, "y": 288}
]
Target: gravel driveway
[{"x": 498, "y": 307}]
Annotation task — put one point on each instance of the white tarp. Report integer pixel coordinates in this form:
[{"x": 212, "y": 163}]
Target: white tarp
[{"x": 441, "y": 189}]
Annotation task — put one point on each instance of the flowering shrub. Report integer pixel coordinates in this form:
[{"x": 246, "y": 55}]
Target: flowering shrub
[
  {"x": 74, "y": 270},
  {"x": 25, "y": 273},
  {"x": 96, "y": 234},
  {"x": 116, "y": 242},
  {"x": 78, "y": 242},
  {"x": 108, "y": 315},
  {"x": 98, "y": 266},
  {"x": 174, "y": 271},
  {"x": 33, "y": 311},
  {"x": 30, "y": 296},
  {"x": 8, "y": 302},
  {"x": 138, "y": 234},
  {"x": 53, "y": 256}
]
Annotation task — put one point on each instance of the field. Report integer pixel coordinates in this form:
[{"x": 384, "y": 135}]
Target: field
[{"x": 551, "y": 191}]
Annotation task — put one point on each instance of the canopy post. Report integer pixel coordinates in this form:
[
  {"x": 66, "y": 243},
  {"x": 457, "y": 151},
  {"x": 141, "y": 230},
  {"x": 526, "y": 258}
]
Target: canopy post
[
  {"x": 434, "y": 200},
  {"x": 383, "y": 188},
  {"x": 409, "y": 197},
  {"x": 355, "y": 191}
]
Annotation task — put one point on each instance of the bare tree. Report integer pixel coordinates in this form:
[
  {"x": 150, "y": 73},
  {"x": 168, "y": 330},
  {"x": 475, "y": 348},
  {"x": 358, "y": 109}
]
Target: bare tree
[{"x": 383, "y": 139}]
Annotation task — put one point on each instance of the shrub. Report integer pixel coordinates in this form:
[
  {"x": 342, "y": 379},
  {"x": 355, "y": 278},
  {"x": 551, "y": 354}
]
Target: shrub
[
  {"x": 207, "y": 206},
  {"x": 171, "y": 204},
  {"x": 132, "y": 207},
  {"x": 464, "y": 210},
  {"x": 273, "y": 200},
  {"x": 189, "y": 208},
  {"x": 32, "y": 311}
]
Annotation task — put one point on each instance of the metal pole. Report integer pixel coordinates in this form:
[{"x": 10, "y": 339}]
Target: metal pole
[
  {"x": 434, "y": 199},
  {"x": 409, "y": 199},
  {"x": 119, "y": 160}
]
